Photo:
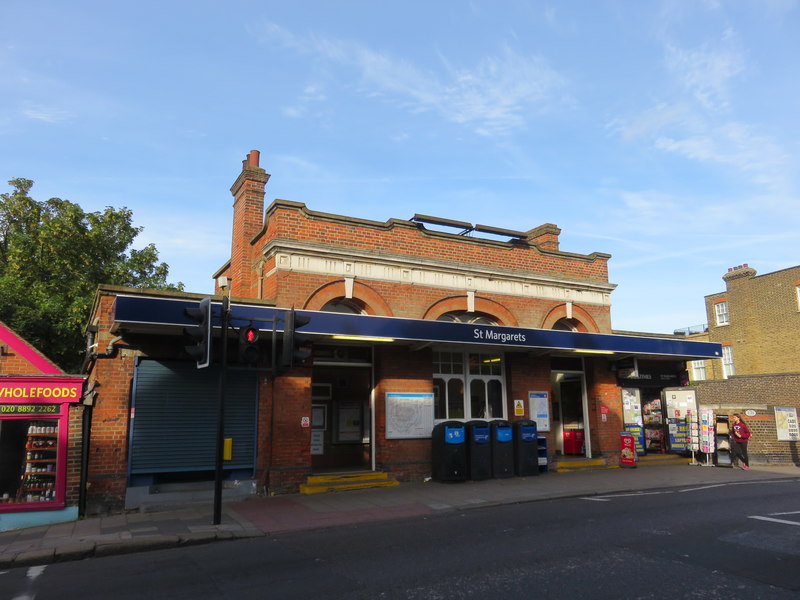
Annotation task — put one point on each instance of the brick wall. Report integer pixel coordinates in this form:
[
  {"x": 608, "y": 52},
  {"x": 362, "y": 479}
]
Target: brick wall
[
  {"x": 761, "y": 393},
  {"x": 289, "y": 444},
  {"x": 399, "y": 369},
  {"x": 111, "y": 377}
]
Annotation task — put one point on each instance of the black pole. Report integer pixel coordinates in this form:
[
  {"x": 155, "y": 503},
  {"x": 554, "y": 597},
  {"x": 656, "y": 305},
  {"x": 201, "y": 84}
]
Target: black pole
[
  {"x": 86, "y": 435},
  {"x": 221, "y": 414}
]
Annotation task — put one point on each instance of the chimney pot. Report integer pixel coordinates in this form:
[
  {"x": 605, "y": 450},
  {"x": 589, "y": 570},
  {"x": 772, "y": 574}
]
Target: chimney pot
[{"x": 253, "y": 158}]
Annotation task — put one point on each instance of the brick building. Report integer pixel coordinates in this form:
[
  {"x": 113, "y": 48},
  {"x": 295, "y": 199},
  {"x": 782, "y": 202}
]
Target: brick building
[
  {"x": 413, "y": 323},
  {"x": 41, "y": 430},
  {"x": 757, "y": 322}
]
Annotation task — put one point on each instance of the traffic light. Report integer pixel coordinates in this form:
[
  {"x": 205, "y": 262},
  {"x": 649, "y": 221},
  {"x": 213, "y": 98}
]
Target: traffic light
[
  {"x": 296, "y": 347},
  {"x": 248, "y": 345},
  {"x": 200, "y": 334}
]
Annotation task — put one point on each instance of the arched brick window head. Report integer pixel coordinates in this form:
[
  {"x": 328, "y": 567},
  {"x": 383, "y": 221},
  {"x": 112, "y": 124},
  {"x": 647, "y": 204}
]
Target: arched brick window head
[
  {"x": 349, "y": 306},
  {"x": 462, "y": 316},
  {"x": 567, "y": 325}
]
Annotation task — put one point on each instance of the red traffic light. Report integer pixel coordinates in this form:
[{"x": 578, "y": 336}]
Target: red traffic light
[{"x": 248, "y": 335}]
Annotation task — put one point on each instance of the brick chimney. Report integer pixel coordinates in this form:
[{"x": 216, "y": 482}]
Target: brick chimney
[
  {"x": 735, "y": 274},
  {"x": 248, "y": 219},
  {"x": 545, "y": 236}
]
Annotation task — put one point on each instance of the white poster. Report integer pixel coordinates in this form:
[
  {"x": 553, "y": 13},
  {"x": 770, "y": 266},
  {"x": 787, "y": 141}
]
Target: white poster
[
  {"x": 408, "y": 416},
  {"x": 631, "y": 407},
  {"x": 539, "y": 403},
  {"x": 786, "y": 424}
]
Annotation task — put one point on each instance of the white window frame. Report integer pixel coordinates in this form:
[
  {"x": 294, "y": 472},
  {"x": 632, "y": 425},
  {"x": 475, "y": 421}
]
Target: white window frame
[
  {"x": 699, "y": 370},
  {"x": 728, "y": 368},
  {"x": 467, "y": 378},
  {"x": 797, "y": 289},
  {"x": 721, "y": 311}
]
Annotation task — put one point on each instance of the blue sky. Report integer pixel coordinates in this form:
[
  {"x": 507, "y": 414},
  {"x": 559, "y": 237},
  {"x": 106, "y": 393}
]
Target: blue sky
[{"x": 665, "y": 133}]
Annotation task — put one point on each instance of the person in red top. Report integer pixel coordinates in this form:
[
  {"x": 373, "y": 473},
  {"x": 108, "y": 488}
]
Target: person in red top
[{"x": 740, "y": 434}]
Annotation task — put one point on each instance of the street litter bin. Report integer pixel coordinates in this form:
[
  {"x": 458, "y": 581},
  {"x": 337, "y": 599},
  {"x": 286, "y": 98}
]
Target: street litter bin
[
  {"x": 526, "y": 448},
  {"x": 502, "y": 449},
  {"x": 479, "y": 450},
  {"x": 449, "y": 452}
]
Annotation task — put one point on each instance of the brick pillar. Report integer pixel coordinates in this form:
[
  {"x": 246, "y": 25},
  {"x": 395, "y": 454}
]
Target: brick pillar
[{"x": 248, "y": 219}]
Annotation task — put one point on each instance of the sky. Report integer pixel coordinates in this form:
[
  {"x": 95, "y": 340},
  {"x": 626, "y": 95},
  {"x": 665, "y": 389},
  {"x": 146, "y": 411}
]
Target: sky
[{"x": 665, "y": 133}]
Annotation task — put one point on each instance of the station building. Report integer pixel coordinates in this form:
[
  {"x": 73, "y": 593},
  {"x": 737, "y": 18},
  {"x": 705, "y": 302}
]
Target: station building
[{"x": 413, "y": 322}]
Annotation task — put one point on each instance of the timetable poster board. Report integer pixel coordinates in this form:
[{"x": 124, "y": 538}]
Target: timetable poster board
[
  {"x": 539, "y": 405},
  {"x": 408, "y": 416},
  {"x": 786, "y": 424}
]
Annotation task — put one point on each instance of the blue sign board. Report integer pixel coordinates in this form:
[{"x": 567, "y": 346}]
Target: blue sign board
[{"x": 150, "y": 310}]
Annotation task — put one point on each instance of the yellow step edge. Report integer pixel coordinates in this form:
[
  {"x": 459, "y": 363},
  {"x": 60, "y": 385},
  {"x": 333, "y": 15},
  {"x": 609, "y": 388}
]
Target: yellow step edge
[
  {"x": 342, "y": 487},
  {"x": 346, "y": 477}
]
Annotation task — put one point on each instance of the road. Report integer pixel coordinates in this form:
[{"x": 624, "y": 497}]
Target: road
[{"x": 726, "y": 541}]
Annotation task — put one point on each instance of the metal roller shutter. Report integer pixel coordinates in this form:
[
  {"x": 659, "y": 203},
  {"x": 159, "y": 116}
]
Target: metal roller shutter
[{"x": 175, "y": 409}]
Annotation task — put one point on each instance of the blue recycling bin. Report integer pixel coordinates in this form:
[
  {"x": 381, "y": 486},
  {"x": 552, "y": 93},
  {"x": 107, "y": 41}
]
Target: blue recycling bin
[
  {"x": 449, "y": 451},
  {"x": 502, "y": 449},
  {"x": 479, "y": 450},
  {"x": 526, "y": 448}
]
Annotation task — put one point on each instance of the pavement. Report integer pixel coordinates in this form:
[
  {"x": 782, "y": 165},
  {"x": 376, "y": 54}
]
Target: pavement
[{"x": 267, "y": 516}]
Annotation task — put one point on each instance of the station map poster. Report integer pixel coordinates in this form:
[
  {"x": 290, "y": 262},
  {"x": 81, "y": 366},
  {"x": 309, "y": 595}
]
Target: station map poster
[
  {"x": 539, "y": 405},
  {"x": 408, "y": 416}
]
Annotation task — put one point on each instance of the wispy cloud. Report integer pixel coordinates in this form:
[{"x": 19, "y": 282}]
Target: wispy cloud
[
  {"x": 47, "y": 114},
  {"x": 493, "y": 97},
  {"x": 706, "y": 72},
  {"x": 739, "y": 146}
]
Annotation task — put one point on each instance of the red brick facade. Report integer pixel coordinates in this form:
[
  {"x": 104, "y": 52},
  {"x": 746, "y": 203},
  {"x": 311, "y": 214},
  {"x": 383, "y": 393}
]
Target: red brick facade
[{"x": 290, "y": 256}]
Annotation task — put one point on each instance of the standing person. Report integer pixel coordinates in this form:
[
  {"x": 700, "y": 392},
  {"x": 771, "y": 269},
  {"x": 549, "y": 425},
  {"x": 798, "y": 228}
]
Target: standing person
[{"x": 740, "y": 434}]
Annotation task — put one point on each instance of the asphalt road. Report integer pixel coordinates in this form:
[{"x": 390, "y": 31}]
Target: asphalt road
[{"x": 727, "y": 541}]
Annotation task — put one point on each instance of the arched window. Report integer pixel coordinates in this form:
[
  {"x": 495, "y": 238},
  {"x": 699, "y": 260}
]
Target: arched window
[
  {"x": 462, "y": 316},
  {"x": 565, "y": 325},
  {"x": 344, "y": 305}
]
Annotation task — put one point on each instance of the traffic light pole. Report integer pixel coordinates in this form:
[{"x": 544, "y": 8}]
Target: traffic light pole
[{"x": 221, "y": 413}]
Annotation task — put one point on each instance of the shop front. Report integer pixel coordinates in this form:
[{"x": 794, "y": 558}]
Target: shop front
[
  {"x": 34, "y": 441},
  {"x": 656, "y": 420}
]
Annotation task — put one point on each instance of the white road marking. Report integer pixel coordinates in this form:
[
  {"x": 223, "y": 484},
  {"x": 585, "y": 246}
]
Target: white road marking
[
  {"x": 607, "y": 498},
  {"x": 32, "y": 574},
  {"x": 704, "y": 487},
  {"x": 784, "y": 521}
]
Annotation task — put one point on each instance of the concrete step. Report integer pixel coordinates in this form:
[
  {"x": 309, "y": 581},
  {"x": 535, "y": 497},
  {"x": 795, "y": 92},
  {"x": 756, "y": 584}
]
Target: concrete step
[
  {"x": 566, "y": 464},
  {"x": 655, "y": 460},
  {"x": 338, "y": 482}
]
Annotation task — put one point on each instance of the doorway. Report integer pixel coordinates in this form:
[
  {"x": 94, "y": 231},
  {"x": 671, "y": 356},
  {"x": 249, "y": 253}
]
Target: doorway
[
  {"x": 569, "y": 412},
  {"x": 341, "y": 418}
]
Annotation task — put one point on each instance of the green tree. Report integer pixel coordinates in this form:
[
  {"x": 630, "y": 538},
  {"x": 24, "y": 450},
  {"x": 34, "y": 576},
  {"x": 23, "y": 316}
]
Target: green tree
[{"x": 53, "y": 255}]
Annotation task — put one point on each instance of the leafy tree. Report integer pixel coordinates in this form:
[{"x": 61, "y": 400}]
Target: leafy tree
[{"x": 53, "y": 255}]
